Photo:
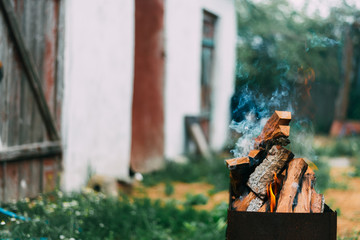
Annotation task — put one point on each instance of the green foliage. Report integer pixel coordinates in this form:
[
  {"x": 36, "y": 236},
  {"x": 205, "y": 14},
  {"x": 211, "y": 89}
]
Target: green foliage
[
  {"x": 93, "y": 216},
  {"x": 213, "y": 172},
  {"x": 276, "y": 42},
  {"x": 197, "y": 199},
  {"x": 280, "y": 47},
  {"x": 169, "y": 189},
  {"x": 347, "y": 146}
]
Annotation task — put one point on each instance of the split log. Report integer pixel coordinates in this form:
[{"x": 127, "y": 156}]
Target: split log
[
  {"x": 256, "y": 156},
  {"x": 275, "y": 132},
  {"x": 317, "y": 202},
  {"x": 264, "y": 173},
  {"x": 239, "y": 174},
  {"x": 248, "y": 203},
  {"x": 304, "y": 196},
  {"x": 295, "y": 171},
  {"x": 264, "y": 207}
]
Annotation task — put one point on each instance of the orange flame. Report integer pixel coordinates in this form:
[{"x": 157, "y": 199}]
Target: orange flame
[
  {"x": 272, "y": 200},
  {"x": 272, "y": 189}
]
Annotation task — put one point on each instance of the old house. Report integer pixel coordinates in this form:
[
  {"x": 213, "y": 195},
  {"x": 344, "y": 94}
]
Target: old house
[{"x": 118, "y": 79}]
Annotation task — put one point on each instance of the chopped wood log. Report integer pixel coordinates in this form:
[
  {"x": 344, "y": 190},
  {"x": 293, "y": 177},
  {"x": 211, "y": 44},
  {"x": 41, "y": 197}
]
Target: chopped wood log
[
  {"x": 317, "y": 202},
  {"x": 256, "y": 156},
  {"x": 295, "y": 171},
  {"x": 304, "y": 196},
  {"x": 239, "y": 174},
  {"x": 264, "y": 173},
  {"x": 238, "y": 163},
  {"x": 275, "y": 131},
  {"x": 248, "y": 203}
]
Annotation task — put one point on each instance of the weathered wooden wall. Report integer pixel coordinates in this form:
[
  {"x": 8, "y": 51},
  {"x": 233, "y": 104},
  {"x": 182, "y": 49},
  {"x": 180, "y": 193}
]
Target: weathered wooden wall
[{"x": 21, "y": 124}]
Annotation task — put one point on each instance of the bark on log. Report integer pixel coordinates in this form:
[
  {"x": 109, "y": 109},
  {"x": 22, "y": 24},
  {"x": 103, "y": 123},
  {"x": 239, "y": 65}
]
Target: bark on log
[
  {"x": 317, "y": 202},
  {"x": 264, "y": 173},
  {"x": 304, "y": 196},
  {"x": 277, "y": 127},
  {"x": 249, "y": 203},
  {"x": 255, "y": 205},
  {"x": 295, "y": 171}
]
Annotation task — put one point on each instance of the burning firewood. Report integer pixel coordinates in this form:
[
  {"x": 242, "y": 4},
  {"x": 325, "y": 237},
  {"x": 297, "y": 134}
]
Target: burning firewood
[
  {"x": 273, "y": 190},
  {"x": 259, "y": 182},
  {"x": 294, "y": 173},
  {"x": 304, "y": 196},
  {"x": 275, "y": 132},
  {"x": 264, "y": 173}
]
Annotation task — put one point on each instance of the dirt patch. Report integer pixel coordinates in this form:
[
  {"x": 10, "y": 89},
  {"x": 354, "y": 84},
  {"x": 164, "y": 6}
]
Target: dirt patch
[{"x": 346, "y": 201}]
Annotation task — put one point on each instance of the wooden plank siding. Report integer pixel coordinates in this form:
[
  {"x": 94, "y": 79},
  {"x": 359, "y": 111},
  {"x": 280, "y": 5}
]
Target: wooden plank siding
[{"x": 29, "y": 162}]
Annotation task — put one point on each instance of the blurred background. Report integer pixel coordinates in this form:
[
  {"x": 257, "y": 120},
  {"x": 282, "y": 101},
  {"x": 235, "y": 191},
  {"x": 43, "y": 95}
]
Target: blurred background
[{"x": 132, "y": 106}]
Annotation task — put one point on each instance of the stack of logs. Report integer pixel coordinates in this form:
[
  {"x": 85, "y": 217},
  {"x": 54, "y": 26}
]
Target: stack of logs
[{"x": 270, "y": 179}]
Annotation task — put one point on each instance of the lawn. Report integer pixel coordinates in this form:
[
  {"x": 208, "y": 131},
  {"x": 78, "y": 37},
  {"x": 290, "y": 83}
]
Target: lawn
[{"x": 91, "y": 215}]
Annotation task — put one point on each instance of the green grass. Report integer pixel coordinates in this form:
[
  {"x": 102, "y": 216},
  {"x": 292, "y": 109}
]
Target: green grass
[
  {"x": 93, "y": 216},
  {"x": 196, "y": 199},
  {"x": 213, "y": 172}
]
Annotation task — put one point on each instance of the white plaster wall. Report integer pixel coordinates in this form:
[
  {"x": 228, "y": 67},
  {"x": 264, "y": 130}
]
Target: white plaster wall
[
  {"x": 183, "y": 29},
  {"x": 183, "y": 40},
  {"x": 96, "y": 134}
]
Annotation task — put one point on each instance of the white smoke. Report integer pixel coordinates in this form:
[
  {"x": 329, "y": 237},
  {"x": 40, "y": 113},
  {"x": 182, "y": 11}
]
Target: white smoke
[{"x": 255, "y": 109}]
